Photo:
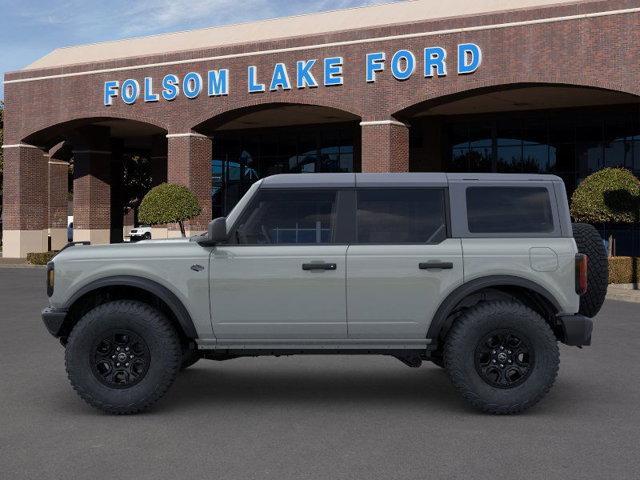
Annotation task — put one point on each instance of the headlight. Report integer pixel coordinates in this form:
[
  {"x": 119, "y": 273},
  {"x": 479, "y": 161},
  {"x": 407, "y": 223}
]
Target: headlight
[{"x": 51, "y": 277}]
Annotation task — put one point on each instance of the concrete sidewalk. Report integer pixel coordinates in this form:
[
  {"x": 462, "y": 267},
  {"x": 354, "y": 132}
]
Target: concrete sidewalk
[
  {"x": 16, "y": 263},
  {"x": 626, "y": 292}
]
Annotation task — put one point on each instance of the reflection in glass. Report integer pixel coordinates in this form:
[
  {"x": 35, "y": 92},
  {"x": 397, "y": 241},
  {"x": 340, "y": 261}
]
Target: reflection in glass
[
  {"x": 571, "y": 143},
  {"x": 241, "y": 157}
]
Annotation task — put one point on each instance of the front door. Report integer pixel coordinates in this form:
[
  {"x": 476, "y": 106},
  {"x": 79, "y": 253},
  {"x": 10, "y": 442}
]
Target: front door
[{"x": 283, "y": 274}]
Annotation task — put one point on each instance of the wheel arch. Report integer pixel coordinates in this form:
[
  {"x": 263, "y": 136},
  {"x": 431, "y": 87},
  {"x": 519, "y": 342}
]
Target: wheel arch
[
  {"x": 531, "y": 293},
  {"x": 131, "y": 287}
]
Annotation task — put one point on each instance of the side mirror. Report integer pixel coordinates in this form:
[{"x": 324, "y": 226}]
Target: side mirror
[{"x": 217, "y": 230}]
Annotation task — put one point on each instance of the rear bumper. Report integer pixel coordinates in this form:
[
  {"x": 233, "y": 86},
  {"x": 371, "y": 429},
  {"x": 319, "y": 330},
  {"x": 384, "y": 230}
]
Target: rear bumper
[
  {"x": 53, "y": 319},
  {"x": 576, "y": 330}
]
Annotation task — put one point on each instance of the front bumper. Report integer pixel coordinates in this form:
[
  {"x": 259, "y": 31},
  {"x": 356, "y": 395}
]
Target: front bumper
[
  {"x": 53, "y": 319},
  {"x": 576, "y": 330}
]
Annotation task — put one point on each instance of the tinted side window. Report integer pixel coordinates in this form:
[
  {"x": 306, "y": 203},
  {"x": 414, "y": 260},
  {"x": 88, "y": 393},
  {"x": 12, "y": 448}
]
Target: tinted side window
[
  {"x": 401, "y": 216},
  {"x": 509, "y": 210},
  {"x": 289, "y": 217}
]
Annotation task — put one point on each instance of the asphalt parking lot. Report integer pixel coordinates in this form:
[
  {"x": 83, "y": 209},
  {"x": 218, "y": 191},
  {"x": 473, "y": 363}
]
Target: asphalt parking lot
[{"x": 314, "y": 417}]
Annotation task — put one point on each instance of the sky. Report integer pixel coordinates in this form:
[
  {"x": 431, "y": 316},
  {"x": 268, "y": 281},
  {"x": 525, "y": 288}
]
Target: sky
[{"x": 29, "y": 29}]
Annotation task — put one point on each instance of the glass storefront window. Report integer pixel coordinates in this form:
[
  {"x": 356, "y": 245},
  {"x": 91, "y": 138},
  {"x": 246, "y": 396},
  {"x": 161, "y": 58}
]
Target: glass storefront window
[
  {"x": 243, "y": 156},
  {"x": 571, "y": 143}
]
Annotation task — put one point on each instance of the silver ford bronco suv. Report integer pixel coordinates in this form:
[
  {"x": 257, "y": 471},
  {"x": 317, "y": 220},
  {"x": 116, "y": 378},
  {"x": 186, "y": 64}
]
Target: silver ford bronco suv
[{"x": 481, "y": 274}]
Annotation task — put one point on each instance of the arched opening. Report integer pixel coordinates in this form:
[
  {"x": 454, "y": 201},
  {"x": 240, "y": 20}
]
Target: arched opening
[
  {"x": 258, "y": 141},
  {"x": 559, "y": 129},
  {"x": 112, "y": 163}
]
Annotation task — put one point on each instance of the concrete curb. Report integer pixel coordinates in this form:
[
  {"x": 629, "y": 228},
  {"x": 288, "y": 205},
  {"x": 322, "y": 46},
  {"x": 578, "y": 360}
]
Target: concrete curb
[{"x": 20, "y": 265}]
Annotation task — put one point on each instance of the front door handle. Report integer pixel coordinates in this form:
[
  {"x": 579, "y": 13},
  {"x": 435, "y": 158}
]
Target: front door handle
[
  {"x": 319, "y": 266},
  {"x": 435, "y": 265}
]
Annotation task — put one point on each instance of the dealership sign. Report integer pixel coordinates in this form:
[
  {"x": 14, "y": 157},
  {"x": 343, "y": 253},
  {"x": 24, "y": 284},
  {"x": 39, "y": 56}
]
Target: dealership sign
[{"x": 308, "y": 73}]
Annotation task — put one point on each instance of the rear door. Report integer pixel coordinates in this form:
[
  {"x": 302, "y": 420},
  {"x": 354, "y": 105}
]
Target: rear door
[{"x": 402, "y": 263}]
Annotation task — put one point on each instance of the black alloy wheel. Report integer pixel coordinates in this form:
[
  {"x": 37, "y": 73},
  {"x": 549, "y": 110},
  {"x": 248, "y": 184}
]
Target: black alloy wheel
[
  {"x": 120, "y": 359},
  {"x": 504, "y": 358}
]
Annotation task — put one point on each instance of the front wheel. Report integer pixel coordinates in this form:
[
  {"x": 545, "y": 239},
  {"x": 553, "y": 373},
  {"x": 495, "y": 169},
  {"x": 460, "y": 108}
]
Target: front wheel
[
  {"x": 123, "y": 356},
  {"x": 190, "y": 355},
  {"x": 502, "y": 357}
]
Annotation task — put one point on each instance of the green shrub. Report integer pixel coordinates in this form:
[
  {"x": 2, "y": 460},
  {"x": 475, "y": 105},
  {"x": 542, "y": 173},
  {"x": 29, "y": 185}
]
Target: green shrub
[
  {"x": 621, "y": 270},
  {"x": 40, "y": 258},
  {"x": 169, "y": 203},
  {"x": 609, "y": 195}
]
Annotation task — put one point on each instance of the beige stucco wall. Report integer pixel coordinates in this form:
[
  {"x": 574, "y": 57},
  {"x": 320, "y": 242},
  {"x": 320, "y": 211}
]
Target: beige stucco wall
[{"x": 300, "y": 25}]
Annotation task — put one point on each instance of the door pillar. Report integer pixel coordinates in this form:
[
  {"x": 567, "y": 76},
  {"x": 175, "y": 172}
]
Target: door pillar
[
  {"x": 385, "y": 146},
  {"x": 189, "y": 164},
  {"x": 25, "y": 200}
]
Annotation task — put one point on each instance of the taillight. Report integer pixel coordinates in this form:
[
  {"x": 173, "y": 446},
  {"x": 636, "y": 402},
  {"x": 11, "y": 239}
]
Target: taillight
[
  {"x": 581, "y": 273},
  {"x": 51, "y": 278}
]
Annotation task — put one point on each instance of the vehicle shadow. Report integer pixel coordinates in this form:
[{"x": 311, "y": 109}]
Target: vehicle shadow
[{"x": 216, "y": 383}]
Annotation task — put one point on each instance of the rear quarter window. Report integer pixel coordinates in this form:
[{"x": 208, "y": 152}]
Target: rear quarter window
[{"x": 509, "y": 210}]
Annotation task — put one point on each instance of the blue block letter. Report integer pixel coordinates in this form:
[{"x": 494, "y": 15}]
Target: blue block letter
[
  {"x": 110, "y": 92},
  {"x": 397, "y": 69},
  {"x": 253, "y": 86},
  {"x": 218, "y": 82},
  {"x": 434, "y": 57},
  {"x": 375, "y": 63},
  {"x": 333, "y": 71},
  {"x": 130, "y": 91},
  {"x": 170, "y": 87},
  {"x": 149, "y": 96},
  {"x": 192, "y": 84},
  {"x": 469, "y": 58},
  {"x": 280, "y": 78},
  {"x": 304, "y": 77}
]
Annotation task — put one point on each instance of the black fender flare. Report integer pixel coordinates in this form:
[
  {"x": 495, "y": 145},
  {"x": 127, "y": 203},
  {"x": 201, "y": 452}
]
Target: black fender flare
[
  {"x": 469, "y": 288},
  {"x": 150, "y": 286}
]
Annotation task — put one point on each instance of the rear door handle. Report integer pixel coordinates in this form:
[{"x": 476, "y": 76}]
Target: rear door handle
[
  {"x": 319, "y": 266},
  {"x": 435, "y": 265}
]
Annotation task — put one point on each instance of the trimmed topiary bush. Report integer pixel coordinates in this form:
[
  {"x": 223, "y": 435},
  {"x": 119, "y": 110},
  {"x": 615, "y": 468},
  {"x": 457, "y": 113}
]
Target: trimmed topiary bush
[
  {"x": 610, "y": 195},
  {"x": 624, "y": 270},
  {"x": 40, "y": 258},
  {"x": 169, "y": 203}
]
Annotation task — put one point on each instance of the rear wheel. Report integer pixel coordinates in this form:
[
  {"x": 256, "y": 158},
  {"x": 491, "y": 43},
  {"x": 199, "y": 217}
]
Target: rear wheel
[
  {"x": 502, "y": 357},
  {"x": 590, "y": 243},
  {"x": 122, "y": 356}
]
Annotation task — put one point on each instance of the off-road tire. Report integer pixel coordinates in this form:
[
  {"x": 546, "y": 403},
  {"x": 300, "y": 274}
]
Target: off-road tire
[
  {"x": 590, "y": 243},
  {"x": 469, "y": 331},
  {"x": 144, "y": 321}
]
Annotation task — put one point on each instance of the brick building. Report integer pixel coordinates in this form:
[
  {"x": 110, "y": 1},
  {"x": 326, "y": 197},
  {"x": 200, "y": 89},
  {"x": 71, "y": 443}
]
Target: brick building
[{"x": 544, "y": 86}]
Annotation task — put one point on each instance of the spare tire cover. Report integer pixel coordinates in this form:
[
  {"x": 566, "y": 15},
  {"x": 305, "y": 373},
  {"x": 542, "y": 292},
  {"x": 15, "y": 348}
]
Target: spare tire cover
[{"x": 590, "y": 243}]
